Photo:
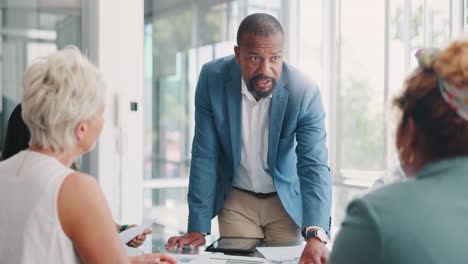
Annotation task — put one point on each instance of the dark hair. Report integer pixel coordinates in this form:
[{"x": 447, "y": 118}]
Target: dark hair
[
  {"x": 445, "y": 132},
  {"x": 17, "y": 136},
  {"x": 259, "y": 24}
]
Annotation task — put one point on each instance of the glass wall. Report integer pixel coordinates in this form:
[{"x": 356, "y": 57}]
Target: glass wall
[
  {"x": 369, "y": 49},
  {"x": 376, "y": 51},
  {"x": 30, "y": 29},
  {"x": 361, "y": 99},
  {"x": 309, "y": 41}
]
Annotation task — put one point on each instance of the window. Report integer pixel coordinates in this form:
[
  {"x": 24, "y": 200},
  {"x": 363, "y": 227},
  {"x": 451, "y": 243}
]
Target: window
[
  {"x": 465, "y": 12},
  {"x": 360, "y": 57},
  {"x": 360, "y": 129},
  {"x": 359, "y": 52},
  {"x": 31, "y": 29},
  {"x": 376, "y": 47}
]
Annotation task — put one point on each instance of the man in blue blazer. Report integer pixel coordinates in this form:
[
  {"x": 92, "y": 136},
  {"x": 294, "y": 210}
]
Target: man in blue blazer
[{"x": 259, "y": 156}]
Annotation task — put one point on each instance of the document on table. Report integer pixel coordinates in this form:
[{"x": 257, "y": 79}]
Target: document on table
[
  {"x": 282, "y": 255},
  {"x": 217, "y": 258},
  {"x": 127, "y": 235}
]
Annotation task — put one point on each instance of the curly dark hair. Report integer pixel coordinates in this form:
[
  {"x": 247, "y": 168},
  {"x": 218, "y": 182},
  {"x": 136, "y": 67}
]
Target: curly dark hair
[{"x": 445, "y": 132}]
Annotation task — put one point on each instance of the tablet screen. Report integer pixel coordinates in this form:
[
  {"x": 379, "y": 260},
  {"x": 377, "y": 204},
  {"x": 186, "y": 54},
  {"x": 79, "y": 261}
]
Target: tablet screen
[{"x": 235, "y": 244}]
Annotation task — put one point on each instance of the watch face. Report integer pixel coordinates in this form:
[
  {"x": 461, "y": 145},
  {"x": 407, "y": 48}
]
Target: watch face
[
  {"x": 322, "y": 236},
  {"x": 319, "y": 234}
]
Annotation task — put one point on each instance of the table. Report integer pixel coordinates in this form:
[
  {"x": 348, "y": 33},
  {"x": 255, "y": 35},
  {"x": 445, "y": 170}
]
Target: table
[{"x": 156, "y": 244}]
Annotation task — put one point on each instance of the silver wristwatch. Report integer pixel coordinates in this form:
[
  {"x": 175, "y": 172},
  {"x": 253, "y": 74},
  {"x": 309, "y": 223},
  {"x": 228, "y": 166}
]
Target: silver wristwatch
[{"x": 319, "y": 234}]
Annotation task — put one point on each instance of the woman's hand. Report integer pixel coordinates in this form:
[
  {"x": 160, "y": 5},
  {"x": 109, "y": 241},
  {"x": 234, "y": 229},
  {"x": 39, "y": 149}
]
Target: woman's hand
[
  {"x": 138, "y": 240},
  {"x": 152, "y": 258}
]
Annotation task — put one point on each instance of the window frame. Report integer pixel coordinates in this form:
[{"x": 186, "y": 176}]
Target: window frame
[{"x": 332, "y": 74}]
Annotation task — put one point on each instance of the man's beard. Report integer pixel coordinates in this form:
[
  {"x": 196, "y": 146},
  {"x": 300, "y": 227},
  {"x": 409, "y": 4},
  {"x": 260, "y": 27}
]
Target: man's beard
[{"x": 259, "y": 94}]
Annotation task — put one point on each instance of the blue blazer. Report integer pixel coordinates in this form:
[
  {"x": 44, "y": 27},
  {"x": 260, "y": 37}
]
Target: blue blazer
[{"x": 297, "y": 152}]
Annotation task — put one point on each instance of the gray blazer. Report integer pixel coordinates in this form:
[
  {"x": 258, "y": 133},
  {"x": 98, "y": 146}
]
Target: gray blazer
[{"x": 420, "y": 221}]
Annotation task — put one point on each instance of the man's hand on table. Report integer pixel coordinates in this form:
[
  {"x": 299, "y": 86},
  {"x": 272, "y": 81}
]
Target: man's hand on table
[
  {"x": 315, "y": 252},
  {"x": 193, "y": 239}
]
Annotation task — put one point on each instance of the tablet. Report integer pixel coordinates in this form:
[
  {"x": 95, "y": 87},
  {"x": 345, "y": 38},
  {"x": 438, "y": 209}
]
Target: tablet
[{"x": 242, "y": 245}]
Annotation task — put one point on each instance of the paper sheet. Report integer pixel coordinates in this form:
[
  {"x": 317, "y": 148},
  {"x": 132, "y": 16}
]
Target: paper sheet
[
  {"x": 127, "y": 235},
  {"x": 225, "y": 259},
  {"x": 282, "y": 255}
]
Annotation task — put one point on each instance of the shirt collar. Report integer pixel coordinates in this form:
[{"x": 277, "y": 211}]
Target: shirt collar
[{"x": 445, "y": 166}]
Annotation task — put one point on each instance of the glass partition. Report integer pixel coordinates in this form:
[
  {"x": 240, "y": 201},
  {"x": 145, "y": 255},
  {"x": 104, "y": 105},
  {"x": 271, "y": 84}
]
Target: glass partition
[
  {"x": 30, "y": 29},
  {"x": 361, "y": 98},
  {"x": 370, "y": 50}
]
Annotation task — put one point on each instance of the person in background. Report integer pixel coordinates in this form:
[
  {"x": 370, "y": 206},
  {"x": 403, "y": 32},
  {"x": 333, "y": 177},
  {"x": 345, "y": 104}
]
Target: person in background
[
  {"x": 17, "y": 139},
  {"x": 49, "y": 212},
  {"x": 17, "y": 135},
  {"x": 259, "y": 155},
  {"x": 420, "y": 220}
]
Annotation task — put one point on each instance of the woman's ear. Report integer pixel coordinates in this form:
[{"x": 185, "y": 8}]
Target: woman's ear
[
  {"x": 407, "y": 135},
  {"x": 80, "y": 130},
  {"x": 413, "y": 133}
]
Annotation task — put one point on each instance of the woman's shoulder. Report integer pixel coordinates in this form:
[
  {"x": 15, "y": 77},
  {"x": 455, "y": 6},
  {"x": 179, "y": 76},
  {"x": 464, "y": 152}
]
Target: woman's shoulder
[
  {"x": 391, "y": 194},
  {"x": 387, "y": 207},
  {"x": 79, "y": 182},
  {"x": 78, "y": 185},
  {"x": 79, "y": 195}
]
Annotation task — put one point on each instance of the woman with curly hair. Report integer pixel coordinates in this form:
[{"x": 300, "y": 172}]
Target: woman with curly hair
[{"x": 420, "y": 220}]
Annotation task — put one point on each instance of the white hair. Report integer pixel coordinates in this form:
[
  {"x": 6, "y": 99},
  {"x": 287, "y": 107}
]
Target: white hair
[{"x": 59, "y": 91}]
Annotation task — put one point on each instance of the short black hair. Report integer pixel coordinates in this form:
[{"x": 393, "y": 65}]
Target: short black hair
[
  {"x": 17, "y": 136},
  {"x": 259, "y": 24}
]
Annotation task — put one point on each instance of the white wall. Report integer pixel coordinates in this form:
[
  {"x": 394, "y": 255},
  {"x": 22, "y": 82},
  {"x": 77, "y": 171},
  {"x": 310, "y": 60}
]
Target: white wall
[{"x": 113, "y": 38}]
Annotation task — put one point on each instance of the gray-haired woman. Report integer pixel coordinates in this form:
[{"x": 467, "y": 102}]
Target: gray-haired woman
[{"x": 50, "y": 213}]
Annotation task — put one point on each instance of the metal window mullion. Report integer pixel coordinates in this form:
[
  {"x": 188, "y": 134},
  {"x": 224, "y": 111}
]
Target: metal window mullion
[
  {"x": 331, "y": 73},
  {"x": 243, "y": 6},
  {"x": 284, "y": 18},
  {"x": 337, "y": 84},
  {"x": 457, "y": 18},
  {"x": 194, "y": 25},
  {"x": 298, "y": 23},
  {"x": 290, "y": 16},
  {"x": 387, "y": 132},
  {"x": 425, "y": 23},
  {"x": 451, "y": 19},
  {"x": 228, "y": 21},
  {"x": 407, "y": 34}
]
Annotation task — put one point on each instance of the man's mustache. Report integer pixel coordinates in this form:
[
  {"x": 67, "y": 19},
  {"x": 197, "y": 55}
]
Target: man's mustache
[{"x": 262, "y": 76}]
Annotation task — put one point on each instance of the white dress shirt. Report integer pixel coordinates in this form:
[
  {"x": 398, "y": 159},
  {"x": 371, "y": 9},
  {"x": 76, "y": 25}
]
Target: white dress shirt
[{"x": 253, "y": 173}]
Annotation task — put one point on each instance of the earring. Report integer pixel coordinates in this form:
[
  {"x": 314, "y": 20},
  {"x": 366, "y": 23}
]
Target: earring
[
  {"x": 411, "y": 159},
  {"x": 401, "y": 150}
]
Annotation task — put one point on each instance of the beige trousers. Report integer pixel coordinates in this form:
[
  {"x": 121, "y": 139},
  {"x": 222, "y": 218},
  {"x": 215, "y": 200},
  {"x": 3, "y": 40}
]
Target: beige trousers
[{"x": 245, "y": 215}]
